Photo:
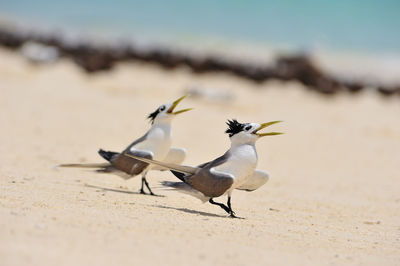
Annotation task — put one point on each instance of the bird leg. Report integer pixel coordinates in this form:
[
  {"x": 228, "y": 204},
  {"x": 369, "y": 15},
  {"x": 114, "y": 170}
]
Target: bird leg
[
  {"x": 148, "y": 187},
  {"x": 223, "y": 206},
  {"x": 231, "y": 212},
  {"x": 141, "y": 189},
  {"x": 144, "y": 182}
]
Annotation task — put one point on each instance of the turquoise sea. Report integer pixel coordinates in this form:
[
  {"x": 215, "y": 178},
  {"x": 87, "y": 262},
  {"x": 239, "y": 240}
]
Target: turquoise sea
[{"x": 351, "y": 25}]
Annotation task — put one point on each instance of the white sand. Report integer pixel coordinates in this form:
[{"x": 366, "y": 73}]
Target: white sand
[{"x": 333, "y": 197}]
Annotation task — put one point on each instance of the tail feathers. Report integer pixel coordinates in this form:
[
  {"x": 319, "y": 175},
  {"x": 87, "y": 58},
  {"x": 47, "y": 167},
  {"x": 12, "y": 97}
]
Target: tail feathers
[
  {"x": 84, "y": 165},
  {"x": 185, "y": 188},
  {"x": 179, "y": 175},
  {"x": 108, "y": 155},
  {"x": 176, "y": 167}
]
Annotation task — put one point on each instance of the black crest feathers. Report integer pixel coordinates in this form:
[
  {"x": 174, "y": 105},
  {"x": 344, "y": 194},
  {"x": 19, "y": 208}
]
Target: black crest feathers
[
  {"x": 234, "y": 127},
  {"x": 153, "y": 115}
]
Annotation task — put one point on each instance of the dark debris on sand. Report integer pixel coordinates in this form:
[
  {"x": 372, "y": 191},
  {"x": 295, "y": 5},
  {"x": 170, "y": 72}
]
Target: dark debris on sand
[{"x": 94, "y": 57}]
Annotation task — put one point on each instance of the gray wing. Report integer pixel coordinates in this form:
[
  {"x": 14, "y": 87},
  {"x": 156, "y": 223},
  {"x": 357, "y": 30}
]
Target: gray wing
[
  {"x": 255, "y": 181},
  {"x": 129, "y": 165},
  {"x": 139, "y": 140},
  {"x": 209, "y": 182},
  {"x": 220, "y": 160},
  {"x": 176, "y": 167}
]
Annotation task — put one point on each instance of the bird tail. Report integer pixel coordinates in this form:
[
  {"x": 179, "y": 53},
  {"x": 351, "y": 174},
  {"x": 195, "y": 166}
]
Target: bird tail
[
  {"x": 84, "y": 165},
  {"x": 179, "y": 175},
  {"x": 108, "y": 155},
  {"x": 176, "y": 167},
  {"x": 186, "y": 189}
]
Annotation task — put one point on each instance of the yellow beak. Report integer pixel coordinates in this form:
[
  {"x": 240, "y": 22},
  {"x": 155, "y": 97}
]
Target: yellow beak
[
  {"x": 264, "y": 125},
  {"x": 175, "y": 103}
]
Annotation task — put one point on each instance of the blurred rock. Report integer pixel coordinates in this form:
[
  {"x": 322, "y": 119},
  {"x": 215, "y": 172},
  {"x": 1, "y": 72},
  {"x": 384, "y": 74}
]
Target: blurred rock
[
  {"x": 354, "y": 87},
  {"x": 387, "y": 91},
  {"x": 11, "y": 39},
  {"x": 300, "y": 67}
]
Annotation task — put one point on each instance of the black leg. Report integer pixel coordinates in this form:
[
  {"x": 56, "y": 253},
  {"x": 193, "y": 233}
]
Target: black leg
[
  {"x": 141, "y": 189},
  {"x": 145, "y": 183},
  {"x": 223, "y": 206},
  {"x": 231, "y": 212},
  {"x": 148, "y": 187}
]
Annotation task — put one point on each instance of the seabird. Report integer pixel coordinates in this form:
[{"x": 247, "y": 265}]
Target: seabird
[
  {"x": 235, "y": 169},
  {"x": 155, "y": 144}
]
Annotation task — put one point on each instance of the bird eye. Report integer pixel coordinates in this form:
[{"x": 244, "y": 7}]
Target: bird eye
[
  {"x": 247, "y": 128},
  {"x": 162, "y": 108}
]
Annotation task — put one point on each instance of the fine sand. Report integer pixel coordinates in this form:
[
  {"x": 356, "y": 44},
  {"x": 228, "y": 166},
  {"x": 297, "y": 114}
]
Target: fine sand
[{"x": 333, "y": 197}]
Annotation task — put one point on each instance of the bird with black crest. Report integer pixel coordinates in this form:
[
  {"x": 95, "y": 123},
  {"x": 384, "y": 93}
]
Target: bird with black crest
[
  {"x": 154, "y": 144},
  {"x": 235, "y": 169}
]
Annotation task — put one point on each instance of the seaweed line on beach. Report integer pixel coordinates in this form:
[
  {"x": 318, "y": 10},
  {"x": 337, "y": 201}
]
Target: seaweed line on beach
[{"x": 94, "y": 57}]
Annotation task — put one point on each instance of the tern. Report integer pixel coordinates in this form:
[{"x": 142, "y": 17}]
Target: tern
[
  {"x": 235, "y": 169},
  {"x": 154, "y": 144}
]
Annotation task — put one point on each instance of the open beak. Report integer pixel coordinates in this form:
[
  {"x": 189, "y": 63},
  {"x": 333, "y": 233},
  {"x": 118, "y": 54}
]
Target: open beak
[
  {"x": 174, "y": 104},
  {"x": 264, "y": 125}
]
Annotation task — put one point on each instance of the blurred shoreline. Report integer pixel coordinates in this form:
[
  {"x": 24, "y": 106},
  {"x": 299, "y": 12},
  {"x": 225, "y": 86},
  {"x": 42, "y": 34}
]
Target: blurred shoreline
[{"x": 323, "y": 72}]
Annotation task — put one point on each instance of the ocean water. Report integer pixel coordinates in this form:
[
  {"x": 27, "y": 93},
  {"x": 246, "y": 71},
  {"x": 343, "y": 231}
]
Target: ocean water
[{"x": 351, "y": 25}]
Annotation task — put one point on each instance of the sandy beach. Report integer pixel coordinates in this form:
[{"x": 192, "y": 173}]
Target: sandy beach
[{"x": 333, "y": 197}]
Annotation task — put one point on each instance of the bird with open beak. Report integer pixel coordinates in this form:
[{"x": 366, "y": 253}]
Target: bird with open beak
[
  {"x": 154, "y": 144},
  {"x": 235, "y": 169}
]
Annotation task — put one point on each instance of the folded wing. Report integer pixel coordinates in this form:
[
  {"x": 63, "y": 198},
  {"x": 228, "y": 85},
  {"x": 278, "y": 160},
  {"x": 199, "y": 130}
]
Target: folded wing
[
  {"x": 211, "y": 184},
  {"x": 123, "y": 162},
  {"x": 205, "y": 180},
  {"x": 176, "y": 167}
]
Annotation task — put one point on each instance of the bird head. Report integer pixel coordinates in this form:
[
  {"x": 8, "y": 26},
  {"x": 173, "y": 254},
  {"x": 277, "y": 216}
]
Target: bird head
[
  {"x": 165, "y": 113},
  {"x": 242, "y": 133}
]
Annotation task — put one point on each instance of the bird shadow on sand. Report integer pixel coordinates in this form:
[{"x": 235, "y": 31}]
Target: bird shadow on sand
[
  {"x": 120, "y": 191},
  {"x": 191, "y": 211}
]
